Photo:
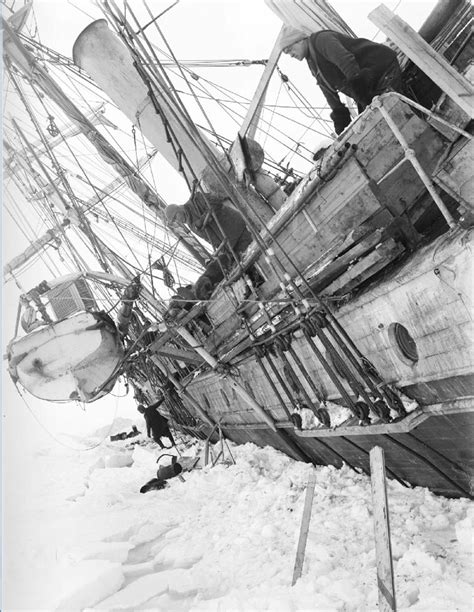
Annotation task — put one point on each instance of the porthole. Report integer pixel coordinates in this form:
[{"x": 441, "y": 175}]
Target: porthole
[{"x": 404, "y": 342}]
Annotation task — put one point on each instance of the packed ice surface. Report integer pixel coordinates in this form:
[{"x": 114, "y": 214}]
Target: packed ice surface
[{"x": 82, "y": 537}]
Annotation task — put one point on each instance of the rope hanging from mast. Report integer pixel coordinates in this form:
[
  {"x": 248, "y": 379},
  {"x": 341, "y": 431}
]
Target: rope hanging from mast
[{"x": 278, "y": 261}]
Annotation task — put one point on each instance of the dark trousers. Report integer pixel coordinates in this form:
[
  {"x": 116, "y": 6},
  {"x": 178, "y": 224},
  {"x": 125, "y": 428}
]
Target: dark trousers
[
  {"x": 163, "y": 432},
  {"x": 223, "y": 262}
]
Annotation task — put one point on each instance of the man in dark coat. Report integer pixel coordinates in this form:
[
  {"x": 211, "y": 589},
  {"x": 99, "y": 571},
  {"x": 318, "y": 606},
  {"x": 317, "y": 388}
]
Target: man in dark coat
[
  {"x": 356, "y": 67},
  {"x": 156, "y": 424},
  {"x": 225, "y": 222}
]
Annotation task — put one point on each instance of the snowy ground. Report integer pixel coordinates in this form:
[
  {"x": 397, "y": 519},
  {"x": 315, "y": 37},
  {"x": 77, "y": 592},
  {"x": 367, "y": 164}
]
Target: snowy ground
[{"x": 84, "y": 538}]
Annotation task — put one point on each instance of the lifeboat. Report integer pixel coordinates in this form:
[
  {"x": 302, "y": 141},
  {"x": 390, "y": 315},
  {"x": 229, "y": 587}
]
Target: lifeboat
[{"x": 76, "y": 358}]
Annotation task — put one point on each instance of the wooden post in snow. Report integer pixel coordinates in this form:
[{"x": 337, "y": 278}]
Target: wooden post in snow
[
  {"x": 308, "y": 506},
  {"x": 383, "y": 547},
  {"x": 434, "y": 65}
]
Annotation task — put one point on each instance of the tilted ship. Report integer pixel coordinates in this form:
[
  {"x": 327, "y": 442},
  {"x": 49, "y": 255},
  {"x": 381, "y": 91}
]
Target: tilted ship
[{"x": 346, "y": 324}]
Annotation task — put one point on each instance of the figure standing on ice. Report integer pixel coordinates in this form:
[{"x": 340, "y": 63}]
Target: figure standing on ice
[
  {"x": 356, "y": 67},
  {"x": 156, "y": 425}
]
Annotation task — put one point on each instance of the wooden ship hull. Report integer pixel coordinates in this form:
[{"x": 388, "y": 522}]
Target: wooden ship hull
[
  {"x": 347, "y": 323},
  {"x": 430, "y": 446},
  {"x": 381, "y": 258},
  {"x": 371, "y": 249}
]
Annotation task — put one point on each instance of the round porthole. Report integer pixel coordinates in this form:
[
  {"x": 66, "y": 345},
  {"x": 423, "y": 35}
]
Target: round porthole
[{"x": 406, "y": 346}]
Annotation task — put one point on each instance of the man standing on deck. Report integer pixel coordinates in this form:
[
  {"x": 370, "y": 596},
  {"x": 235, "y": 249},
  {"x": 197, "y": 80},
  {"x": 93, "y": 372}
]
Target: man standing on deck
[
  {"x": 224, "y": 222},
  {"x": 356, "y": 67}
]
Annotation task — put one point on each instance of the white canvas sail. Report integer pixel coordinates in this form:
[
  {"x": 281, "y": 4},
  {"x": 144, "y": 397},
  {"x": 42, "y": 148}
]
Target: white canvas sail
[{"x": 104, "y": 56}]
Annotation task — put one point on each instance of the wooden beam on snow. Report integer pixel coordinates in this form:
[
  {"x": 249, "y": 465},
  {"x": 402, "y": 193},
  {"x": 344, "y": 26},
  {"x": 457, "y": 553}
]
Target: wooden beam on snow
[
  {"x": 383, "y": 546},
  {"x": 308, "y": 506}
]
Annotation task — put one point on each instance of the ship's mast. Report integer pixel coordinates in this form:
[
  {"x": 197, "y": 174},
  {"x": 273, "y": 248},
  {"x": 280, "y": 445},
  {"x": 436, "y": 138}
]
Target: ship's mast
[
  {"x": 319, "y": 15},
  {"x": 17, "y": 53},
  {"x": 122, "y": 70}
]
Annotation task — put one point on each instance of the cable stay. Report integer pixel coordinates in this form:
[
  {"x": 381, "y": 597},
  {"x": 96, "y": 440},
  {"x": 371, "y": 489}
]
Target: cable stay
[
  {"x": 26, "y": 62},
  {"x": 315, "y": 322}
]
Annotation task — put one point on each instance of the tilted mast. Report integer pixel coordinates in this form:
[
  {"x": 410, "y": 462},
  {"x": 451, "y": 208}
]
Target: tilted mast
[
  {"x": 147, "y": 100},
  {"x": 26, "y": 62},
  {"x": 51, "y": 236},
  {"x": 302, "y": 16}
]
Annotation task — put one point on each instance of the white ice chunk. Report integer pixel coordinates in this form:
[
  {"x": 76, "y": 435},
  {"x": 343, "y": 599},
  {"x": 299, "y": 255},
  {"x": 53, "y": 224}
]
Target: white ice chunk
[
  {"x": 440, "y": 522},
  {"x": 308, "y": 419},
  {"x": 136, "y": 593},
  {"x": 150, "y": 532},
  {"x": 416, "y": 560},
  {"x": 118, "y": 460},
  {"x": 143, "y": 457},
  {"x": 109, "y": 551},
  {"x": 464, "y": 534},
  {"x": 98, "y": 464},
  {"x": 135, "y": 570},
  {"x": 176, "y": 556},
  {"x": 119, "y": 424},
  {"x": 181, "y": 582},
  {"x": 86, "y": 583}
]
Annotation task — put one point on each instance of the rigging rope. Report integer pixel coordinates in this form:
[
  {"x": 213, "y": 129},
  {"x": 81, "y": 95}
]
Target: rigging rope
[
  {"x": 88, "y": 228},
  {"x": 286, "y": 281},
  {"x": 68, "y": 446},
  {"x": 237, "y": 117},
  {"x": 51, "y": 182},
  {"x": 206, "y": 117}
]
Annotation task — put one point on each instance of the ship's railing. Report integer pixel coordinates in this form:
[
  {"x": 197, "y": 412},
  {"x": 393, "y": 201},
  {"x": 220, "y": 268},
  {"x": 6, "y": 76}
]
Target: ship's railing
[{"x": 341, "y": 154}]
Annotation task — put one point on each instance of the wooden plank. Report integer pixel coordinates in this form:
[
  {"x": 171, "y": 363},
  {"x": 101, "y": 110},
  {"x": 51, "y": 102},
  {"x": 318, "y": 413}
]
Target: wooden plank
[
  {"x": 304, "y": 247},
  {"x": 368, "y": 266},
  {"x": 383, "y": 546},
  {"x": 308, "y": 506},
  {"x": 223, "y": 310},
  {"x": 180, "y": 354},
  {"x": 332, "y": 270},
  {"x": 425, "y": 57},
  {"x": 435, "y": 456},
  {"x": 340, "y": 245},
  {"x": 455, "y": 174}
]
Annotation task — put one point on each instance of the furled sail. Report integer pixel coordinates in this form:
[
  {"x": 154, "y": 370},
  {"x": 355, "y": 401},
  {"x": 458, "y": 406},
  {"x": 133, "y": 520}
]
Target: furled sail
[
  {"x": 158, "y": 112},
  {"x": 104, "y": 56}
]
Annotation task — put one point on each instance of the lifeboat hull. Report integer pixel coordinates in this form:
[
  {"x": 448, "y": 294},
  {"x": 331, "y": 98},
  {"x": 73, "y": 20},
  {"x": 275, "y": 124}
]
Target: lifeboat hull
[{"x": 77, "y": 358}]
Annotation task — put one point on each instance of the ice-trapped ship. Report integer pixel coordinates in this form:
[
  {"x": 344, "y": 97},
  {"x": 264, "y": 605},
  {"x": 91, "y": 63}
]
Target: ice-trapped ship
[{"x": 347, "y": 322}]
